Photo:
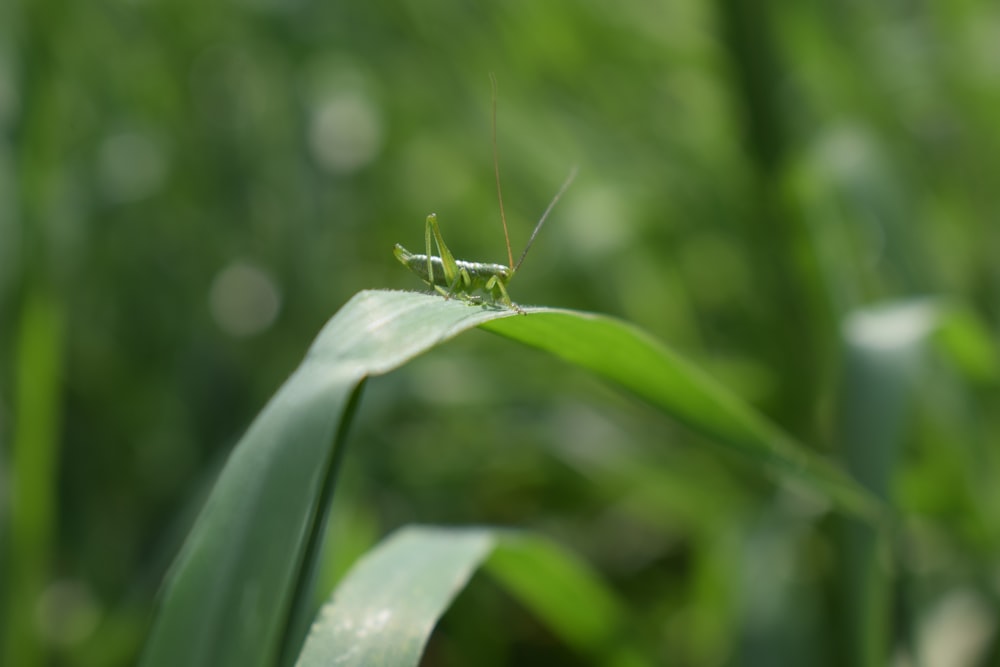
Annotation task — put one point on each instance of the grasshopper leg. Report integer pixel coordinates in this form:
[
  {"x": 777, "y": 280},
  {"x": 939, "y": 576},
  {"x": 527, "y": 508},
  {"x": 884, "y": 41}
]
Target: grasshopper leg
[
  {"x": 459, "y": 286},
  {"x": 448, "y": 263},
  {"x": 494, "y": 285}
]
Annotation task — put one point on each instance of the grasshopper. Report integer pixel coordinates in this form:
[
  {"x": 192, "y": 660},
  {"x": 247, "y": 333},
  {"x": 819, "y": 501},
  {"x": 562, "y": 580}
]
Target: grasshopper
[{"x": 454, "y": 277}]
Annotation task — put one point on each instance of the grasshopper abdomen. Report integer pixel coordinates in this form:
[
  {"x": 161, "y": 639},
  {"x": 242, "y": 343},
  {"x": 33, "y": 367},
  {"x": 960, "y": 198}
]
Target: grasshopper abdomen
[{"x": 467, "y": 277}]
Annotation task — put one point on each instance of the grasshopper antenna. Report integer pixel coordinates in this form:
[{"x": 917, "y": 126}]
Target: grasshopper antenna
[
  {"x": 562, "y": 190},
  {"x": 496, "y": 173}
]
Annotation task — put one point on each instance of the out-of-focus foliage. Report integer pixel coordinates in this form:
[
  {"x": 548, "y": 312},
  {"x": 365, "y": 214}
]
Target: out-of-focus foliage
[
  {"x": 188, "y": 190},
  {"x": 240, "y": 592}
]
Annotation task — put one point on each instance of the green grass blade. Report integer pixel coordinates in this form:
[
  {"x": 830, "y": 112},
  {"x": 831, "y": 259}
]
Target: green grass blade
[
  {"x": 384, "y": 611},
  {"x": 884, "y": 349},
  {"x": 236, "y": 588},
  {"x": 559, "y": 589},
  {"x": 34, "y": 460},
  {"x": 968, "y": 343},
  {"x": 627, "y": 356},
  {"x": 234, "y": 591}
]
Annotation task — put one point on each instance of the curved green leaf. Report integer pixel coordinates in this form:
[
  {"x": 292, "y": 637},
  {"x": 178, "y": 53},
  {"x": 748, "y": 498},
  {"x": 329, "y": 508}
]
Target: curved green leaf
[
  {"x": 235, "y": 587},
  {"x": 386, "y": 607},
  {"x": 384, "y": 611},
  {"x": 237, "y": 590},
  {"x": 625, "y": 355}
]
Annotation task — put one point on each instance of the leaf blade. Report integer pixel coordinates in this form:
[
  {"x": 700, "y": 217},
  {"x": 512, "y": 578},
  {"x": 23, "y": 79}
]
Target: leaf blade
[
  {"x": 384, "y": 611},
  {"x": 234, "y": 590},
  {"x": 627, "y": 356}
]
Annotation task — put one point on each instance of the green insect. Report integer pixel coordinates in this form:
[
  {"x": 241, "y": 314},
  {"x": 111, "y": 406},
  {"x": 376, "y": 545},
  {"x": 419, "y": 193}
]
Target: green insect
[{"x": 454, "y": 277}]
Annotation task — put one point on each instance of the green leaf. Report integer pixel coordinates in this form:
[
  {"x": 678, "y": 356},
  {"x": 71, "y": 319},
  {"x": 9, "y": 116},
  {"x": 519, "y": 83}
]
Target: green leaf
[
  {"x": 240, "y": 579},
  {"x": 560, "y": 589},
  {"x": 883, "y": 349},
  {"x": 238, "y": 591},
  {"x": 34, "y": 460},
  {"x": 384, "y": 611},
  {"x": 386, "y": 607},
  {"x": 625, "y": 355},
  {"x": 968, "y": 343}
]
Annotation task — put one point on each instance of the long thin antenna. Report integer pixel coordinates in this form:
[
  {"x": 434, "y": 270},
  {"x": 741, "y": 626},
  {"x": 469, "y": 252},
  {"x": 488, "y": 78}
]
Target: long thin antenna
[
  {"x": 562, "y": 190},
  {"x": 496, "y": 173}
]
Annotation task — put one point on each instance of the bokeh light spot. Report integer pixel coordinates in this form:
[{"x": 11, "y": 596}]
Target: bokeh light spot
[
  {"x": 131, "y": 166},
  {"x": 244, "y": 299},
  {"x": 892, "y": 327},
  {"x": 345, "y": 133},
  {"x": 67, "y": 613}
]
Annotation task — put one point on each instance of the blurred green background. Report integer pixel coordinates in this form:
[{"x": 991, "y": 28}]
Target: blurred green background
[{"x": 189, "y": 190}]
